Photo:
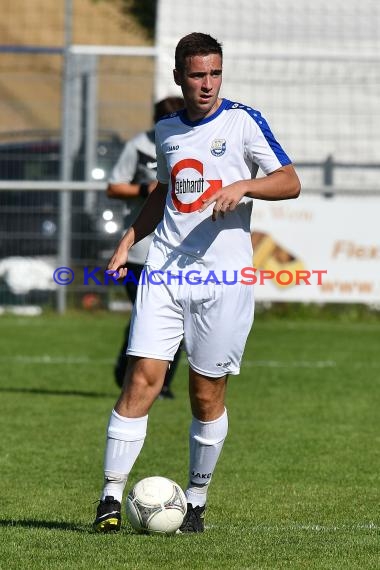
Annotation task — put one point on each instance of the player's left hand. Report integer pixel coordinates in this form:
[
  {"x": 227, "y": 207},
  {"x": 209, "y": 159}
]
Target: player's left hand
[{"x": 225, "y": 200}]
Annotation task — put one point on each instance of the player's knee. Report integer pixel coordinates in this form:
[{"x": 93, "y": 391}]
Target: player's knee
[
  {"x": 145, "y": 374},
  {"x": 207, "y": 408}
]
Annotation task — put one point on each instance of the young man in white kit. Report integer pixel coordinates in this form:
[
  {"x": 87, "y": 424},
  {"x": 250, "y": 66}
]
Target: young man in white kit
[{"x": 207, "y": 159}]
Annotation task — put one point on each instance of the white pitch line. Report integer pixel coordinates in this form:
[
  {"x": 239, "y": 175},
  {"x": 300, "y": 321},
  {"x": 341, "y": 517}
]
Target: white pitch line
[
  {"x": 307, "y": 527},
  {"x": 48, "y": 359},
  {"x": 317, "y": 326},
  {"x": 71, "y": 359},
  {"x": 308, "y": 364},
  {"x": 83, "y": 359},
  {"x": 290, "y": 364}
]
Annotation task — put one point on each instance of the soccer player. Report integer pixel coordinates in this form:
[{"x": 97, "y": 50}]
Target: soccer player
[
  {"x": 207, "y": 159},
  {"x": 132, "y": 179}
]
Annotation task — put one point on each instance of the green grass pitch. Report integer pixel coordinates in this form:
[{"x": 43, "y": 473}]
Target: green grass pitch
[{"x": 297, "y": 484}]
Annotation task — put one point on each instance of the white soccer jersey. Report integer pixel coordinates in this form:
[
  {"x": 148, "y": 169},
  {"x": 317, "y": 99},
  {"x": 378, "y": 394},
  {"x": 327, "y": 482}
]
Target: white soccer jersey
[{"x": 196, "y": 159}]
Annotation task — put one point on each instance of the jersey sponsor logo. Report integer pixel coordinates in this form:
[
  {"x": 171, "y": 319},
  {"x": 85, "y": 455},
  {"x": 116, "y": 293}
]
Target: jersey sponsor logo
[
  {"x": 218, "y": 147},
  {"x": 192, "y": 183}
]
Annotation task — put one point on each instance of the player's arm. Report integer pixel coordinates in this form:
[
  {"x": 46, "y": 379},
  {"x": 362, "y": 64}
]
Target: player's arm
[
  {"x": 149, "y": 217},
  {"x": 124, "y": 190},
  {"x": 282, "y": 184}
]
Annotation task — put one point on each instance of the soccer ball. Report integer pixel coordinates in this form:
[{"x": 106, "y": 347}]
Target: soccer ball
[{"x": 156, "y": 505}]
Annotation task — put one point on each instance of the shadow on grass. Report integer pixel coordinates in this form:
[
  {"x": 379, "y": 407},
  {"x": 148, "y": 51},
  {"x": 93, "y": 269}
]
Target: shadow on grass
[
  {"x": 51, "y": 525},
  {"x": 59, "y": 525},
  {"x": 45, "y": 392}
]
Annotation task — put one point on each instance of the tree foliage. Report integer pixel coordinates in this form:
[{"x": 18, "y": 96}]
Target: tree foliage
[{"x": 144, "y": 11}]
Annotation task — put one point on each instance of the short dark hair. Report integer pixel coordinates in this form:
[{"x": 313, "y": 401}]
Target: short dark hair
[
  {"x": 195, "y": 43},
  {"x": 167, "y": 106}
]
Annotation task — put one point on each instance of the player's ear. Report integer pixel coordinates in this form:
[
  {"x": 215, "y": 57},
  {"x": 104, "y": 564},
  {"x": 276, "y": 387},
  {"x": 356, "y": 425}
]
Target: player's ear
[{"x": 177, "y": 77}]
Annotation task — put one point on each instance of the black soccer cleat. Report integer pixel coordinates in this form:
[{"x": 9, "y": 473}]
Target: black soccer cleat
[
  {"x": 108, "y": 516},
  {"x": 194, "y": 519}
]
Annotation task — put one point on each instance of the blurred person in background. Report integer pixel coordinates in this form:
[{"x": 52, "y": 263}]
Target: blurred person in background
[{"x": 132, "y": 179}]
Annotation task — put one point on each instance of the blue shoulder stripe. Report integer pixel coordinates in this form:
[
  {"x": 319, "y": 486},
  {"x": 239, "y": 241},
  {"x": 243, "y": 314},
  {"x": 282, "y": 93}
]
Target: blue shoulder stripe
[{"x": 265, "y": 129}]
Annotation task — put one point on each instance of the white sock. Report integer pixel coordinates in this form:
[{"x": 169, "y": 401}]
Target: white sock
[
  {"x": 206, "y": 442},
  {"x": 125, "y": 438}
]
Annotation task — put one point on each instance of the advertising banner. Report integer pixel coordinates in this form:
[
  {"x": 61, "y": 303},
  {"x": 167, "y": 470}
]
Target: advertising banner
[{"x": 317, "y": 249}]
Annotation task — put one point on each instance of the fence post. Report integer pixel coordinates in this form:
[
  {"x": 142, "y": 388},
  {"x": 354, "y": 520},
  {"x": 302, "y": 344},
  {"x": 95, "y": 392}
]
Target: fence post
[
  {"x": 66, "y": 159},
  {"x": 328, "y": 174}
]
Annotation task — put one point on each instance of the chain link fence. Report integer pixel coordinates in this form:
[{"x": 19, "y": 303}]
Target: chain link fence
[{"x": 75, "y": 88}]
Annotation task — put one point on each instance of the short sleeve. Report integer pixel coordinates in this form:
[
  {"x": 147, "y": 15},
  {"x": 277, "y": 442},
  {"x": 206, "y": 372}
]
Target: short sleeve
[
  {"x": 126, "y": 166},
  {"x": 162, "y": 168},
  {"x": 261, "y": 145}
]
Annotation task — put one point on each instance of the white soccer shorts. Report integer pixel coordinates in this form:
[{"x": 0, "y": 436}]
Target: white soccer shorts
[{"x": 214, "y": 320}]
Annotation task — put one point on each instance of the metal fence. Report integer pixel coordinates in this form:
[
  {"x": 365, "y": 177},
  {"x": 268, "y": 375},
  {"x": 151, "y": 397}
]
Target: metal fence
[
  {"x": 70, "y": 97},
  {"x": 32, "y": 272},
  {"x": 86, "y": 130}
]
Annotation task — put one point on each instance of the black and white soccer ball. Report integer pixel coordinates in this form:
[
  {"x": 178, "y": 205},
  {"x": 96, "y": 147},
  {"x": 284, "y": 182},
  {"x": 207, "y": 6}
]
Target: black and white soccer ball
[{"x": 156, "y": 505}]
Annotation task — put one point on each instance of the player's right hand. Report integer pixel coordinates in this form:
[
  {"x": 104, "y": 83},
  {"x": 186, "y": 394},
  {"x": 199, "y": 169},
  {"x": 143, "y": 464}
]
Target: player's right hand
[{"x": 116, "y": 265}]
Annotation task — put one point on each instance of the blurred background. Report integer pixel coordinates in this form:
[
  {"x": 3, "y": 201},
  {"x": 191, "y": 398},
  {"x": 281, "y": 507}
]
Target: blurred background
[{"x": 78, "y": 78}]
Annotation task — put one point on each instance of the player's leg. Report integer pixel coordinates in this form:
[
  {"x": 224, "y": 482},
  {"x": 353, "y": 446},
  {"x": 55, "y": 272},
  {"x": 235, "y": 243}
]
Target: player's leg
[
  {"x": 166, "y": 391},
  {"x": 122, "y": 363},
  {"x": 143, "y": 383},
  {"x": 150, "y": 349},
  {"x": 217, "y": 325},
  {"x": 134, "y": 272},
  {"x": 126, "y": 434},
  {"x": 208, "y": 431},
  {"x": 122, "y": 359}
]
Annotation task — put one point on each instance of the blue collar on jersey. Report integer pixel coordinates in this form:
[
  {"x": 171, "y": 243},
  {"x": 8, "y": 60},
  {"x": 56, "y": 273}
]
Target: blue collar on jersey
[{"x": 182, "y": 115}]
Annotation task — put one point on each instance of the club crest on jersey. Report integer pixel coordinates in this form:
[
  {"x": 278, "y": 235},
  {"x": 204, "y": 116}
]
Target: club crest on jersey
[{"x": 218, "y": 147}]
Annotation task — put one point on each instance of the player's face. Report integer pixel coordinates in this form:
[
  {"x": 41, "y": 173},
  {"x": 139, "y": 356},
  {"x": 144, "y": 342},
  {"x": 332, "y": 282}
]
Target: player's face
[{"x": 200, "y": 83}]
